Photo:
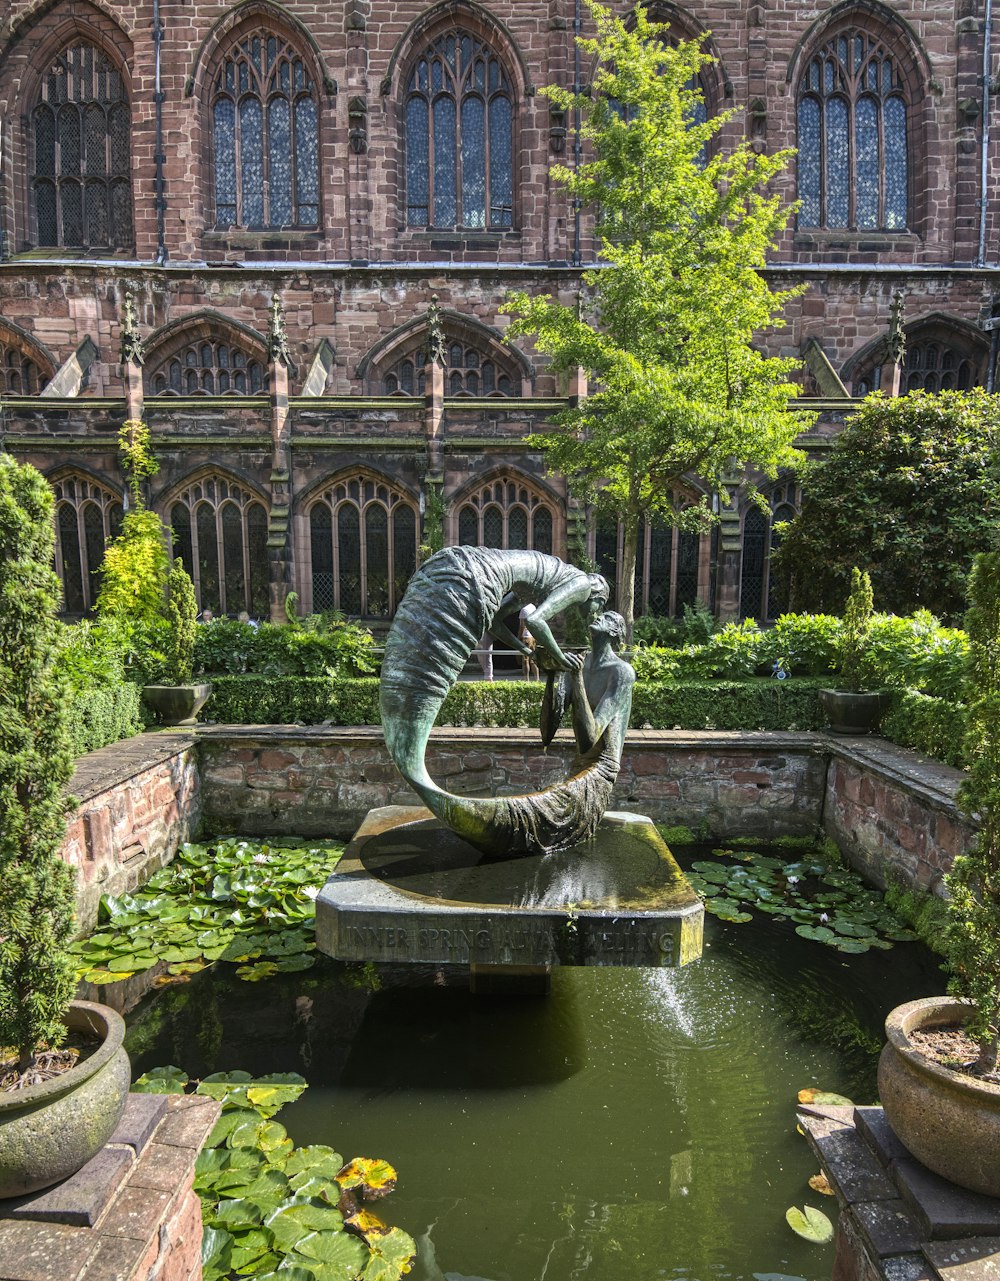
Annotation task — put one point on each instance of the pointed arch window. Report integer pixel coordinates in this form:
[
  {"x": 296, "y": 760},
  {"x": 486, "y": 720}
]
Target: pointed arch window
[
  {"x": 19, "y": 374},
  {"x": 81, "y": 184},
  {"x": 265, "y": 136},
  {"x": 220, "y": 533},
  {"x": 459, "y": 135},
  {"x": 937, "y": 359},
  {"x": 87, "y": 516},
  {"x": 470, "y": 370},
  {"x": 761, "y": 539},
  {"x": 363, "y": 540},
  {"x": 509, "y": 514},
  {"x": 853, "y": 144},
  {"x": 209, "y": 367}
]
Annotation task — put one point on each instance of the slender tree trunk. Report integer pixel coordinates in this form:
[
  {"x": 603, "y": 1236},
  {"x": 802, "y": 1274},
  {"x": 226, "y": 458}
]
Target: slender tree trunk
[
  {"x": 988, "y": 1055},
  {"x": 626, "y": 581}
]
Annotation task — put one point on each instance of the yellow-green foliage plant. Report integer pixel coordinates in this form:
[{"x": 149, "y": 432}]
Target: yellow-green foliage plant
[{"x": 36, "y": 762}]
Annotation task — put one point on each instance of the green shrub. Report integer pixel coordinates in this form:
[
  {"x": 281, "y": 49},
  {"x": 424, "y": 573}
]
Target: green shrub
[
  {"x": 102, "y": 716},
  {"x": 917, "y": 653},
  {"x": 285, "y": 700},
  {"x": 182, "y": 614},
  {"x": 36, "y": 763},
  {"x": 852, "y": 646},
  {"x": 934, "y": 726},
  {"x": 758, "y": 704},
  {"x": 134, "y": 570},
  {"x": 287, "y": 649},
  {"x": 805, "y": 644}
]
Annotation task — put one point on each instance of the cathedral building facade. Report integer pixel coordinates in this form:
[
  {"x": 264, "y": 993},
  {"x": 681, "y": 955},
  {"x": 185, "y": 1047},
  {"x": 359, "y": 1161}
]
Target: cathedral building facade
[{"x": 282, "y": 235}]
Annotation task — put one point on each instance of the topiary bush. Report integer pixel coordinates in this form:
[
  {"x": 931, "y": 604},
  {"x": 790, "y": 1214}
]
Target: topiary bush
[
  {"x": 182, "y": 615},
  {"x": 36, "y": 762},
  {"x": 934, "y": 726},
  {"x": 99, "y": 717}
]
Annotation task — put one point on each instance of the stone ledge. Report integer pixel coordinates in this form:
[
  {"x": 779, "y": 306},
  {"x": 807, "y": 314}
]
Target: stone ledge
[
  {"x": 129, "y": 1215},
  {"x": 104, "y": 769},
  {"x": 898, "y": 1220}
]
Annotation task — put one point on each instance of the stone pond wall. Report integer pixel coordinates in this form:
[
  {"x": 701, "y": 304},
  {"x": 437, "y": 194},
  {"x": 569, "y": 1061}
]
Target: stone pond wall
[
  {"x": 892, "y": 813},
  {"x": 138, "y": 800}
]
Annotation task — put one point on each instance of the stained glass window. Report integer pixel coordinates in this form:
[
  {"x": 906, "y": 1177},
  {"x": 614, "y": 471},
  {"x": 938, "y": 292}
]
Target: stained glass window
[
  {"x": 459, "y": 137},
  {"x": 938, "y": 358},
  {"x": 363, "y": 541},
  {"x": 853, "y": 150},
  {"x": 761, "y": 538},
  {"x": 208, "y": 367},
  {"x": 220, "y": 533},
  {"x": 506, "y": 513},
  {"x": 265, "y": 142},
  {"x": 81, "y": 183},
  {"x": 87, "y": 516}
]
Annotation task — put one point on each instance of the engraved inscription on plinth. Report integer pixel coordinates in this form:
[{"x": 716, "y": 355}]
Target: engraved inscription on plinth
[{"x": 409, "y": 890}]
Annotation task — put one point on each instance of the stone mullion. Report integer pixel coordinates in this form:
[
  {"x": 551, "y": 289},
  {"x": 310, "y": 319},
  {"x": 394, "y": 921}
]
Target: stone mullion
[{"x": 359, "y": 195}]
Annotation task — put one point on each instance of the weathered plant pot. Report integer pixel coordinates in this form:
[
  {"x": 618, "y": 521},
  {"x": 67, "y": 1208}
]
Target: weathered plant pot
[
  {"x": 177, "y": 704},
  {"x": 49, "y": 1131},
  {"x": 853, "y": 713},
  {"x": 948, "y": 1121}
]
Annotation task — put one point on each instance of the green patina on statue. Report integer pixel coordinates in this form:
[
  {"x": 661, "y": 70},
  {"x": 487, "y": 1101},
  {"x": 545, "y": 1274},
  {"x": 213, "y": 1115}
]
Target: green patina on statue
[{"x": 455, "y": 597}]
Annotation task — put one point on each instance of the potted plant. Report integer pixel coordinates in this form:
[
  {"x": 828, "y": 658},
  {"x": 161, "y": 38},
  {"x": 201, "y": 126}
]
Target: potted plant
[
  {"x": 58, "y": 1106},
  {"x": 180, "y": 701},
  {"x": 938, "y": 1077},
  {"x": 852, "y": 708}
]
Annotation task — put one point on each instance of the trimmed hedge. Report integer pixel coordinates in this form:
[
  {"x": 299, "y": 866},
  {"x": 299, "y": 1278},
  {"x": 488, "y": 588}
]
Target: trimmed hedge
[
  {"x": 311, "y": 700},
  {"x": 102, "y": 716},
  {"x": 934, "y": 726}
]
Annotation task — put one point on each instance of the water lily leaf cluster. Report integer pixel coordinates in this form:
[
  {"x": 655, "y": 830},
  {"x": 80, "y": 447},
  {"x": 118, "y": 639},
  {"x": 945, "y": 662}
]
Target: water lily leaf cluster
[
  {"x": 827, "y": 902},
  {"x": 251, "y": 903},
  {"x": 276, "y": 1212}
]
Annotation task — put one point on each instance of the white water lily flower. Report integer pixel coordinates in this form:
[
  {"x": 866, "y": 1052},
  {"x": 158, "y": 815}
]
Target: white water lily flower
[
  {"x": 261, "y": 858},
  {"x": 310, "y": 891}
]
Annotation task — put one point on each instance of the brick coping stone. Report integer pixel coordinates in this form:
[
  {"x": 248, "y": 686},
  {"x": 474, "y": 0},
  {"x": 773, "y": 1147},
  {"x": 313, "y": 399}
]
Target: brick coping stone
[
  {"x": 130, "y": 1214},
  {"x": 898, "y": 1220}
]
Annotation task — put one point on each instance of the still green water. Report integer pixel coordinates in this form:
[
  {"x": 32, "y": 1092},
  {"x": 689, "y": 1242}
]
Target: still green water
[{"x": 635, "y": 1125}]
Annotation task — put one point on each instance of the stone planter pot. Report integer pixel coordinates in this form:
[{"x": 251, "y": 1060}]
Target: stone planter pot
[
  {"x": 49, "y": 1131},
  {"x": 852, "y": 713},
  {"x": 177, "y": 704},
  {"x": 948, "y": 1121}
]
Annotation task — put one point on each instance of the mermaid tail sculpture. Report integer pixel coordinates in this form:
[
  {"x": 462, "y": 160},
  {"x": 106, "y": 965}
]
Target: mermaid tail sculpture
[{"x": 452, "y": 600}]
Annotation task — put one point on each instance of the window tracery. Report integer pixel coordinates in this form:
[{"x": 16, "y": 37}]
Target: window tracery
[
  {"x": 209, "y": 367},
  {"x": 761, "y": 539},
  {"x": 509, "y": 514},
  {"x": 853, "y": 145},
  {"x": 470, "y": 371},
  {"x": 81, "y": 184},
  {"x": 459, "y": 136},
  {"x": 667, "y": 567},
  {"x": 937, "y": 359},
  {"x": 363, "y": 542},
  {"x": 87, "y": 516},
  {"x": 265, "y": 135},
  {"x": 19, "y": 373},
  {"x": 220, "y": 533}
]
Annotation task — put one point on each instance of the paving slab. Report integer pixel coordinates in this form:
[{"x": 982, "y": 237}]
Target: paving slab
[
  {"x": 942, "y": 1210},
  {"x": 81, "y": 1199},
  {"x": 879, "y": 1135},
  {"x": 848, "y": 1161},
  {"x": 887, "y": 1227},
  {"x": 143, "y": 1113},
  {"x": 975, "y": 1259}
]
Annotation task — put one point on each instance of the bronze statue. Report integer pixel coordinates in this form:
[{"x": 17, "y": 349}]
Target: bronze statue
[{"x": 453, "y": 599}]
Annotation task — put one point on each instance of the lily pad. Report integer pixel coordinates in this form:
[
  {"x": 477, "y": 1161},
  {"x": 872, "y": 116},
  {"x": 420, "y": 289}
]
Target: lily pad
[{"x": 811, "y": 1224}]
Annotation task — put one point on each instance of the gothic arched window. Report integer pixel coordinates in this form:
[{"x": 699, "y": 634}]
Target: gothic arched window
[
  {"x": 81, "y": 183},
  {"x": 853, "y": 157},
  {"x": 761, "y": 539},
  {"x": 509, "y": 514},
  {"x": 19, "y": 373},
  {"x": 265, "y": 136},
  {"x": 459, "y": 114},
  {"x": 938, "y": 357},
  {"x": 667, "y": 566},
  {"x": 87, "y": 516},
  {"x": 220, "y": 533},
  {"x": 363, "y": 539},
  {"x": 209, "y": 367},
  {"x": 470, "y": 370}
]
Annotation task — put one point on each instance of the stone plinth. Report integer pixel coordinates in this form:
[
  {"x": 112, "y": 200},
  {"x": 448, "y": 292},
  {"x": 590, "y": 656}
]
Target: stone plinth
[
  {"x": 898, "y": 1221},
  {"x": 131, "y": 1214},
  {"x": 408, "y": 890}
]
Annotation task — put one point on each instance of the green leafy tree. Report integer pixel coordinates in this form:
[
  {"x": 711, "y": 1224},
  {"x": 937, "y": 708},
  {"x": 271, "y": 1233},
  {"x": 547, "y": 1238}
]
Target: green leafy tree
[
  {"x": 667, "y": 324},
  {"x": 911, "y": 492},
  {"x": 854, "y": 634},
  {"x": 182, "y": 613},
  {"x": 136, "y": 452},
  {"x": 973, "y": 941},
  {"x": 36, "y": 762}
]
